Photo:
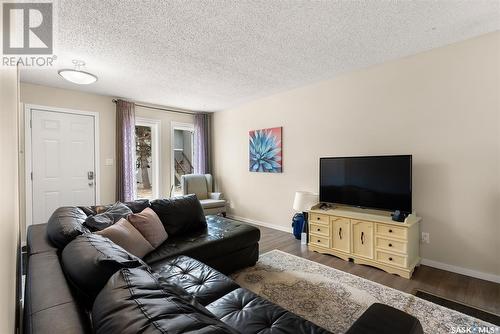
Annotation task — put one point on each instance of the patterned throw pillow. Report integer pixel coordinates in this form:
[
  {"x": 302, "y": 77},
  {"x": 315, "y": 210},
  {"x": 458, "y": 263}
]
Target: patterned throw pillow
[{"x": 107, "y": 217}]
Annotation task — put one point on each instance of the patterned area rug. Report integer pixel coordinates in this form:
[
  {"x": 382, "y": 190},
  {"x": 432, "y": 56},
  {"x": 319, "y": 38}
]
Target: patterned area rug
[{"x": 334, "y": 299}]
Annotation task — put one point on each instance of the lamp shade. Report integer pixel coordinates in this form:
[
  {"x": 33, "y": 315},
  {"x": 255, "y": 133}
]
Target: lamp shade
[{"x": 304, "y": 200}]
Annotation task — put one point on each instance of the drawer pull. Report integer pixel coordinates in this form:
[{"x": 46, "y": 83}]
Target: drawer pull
[
  {"x": 390, "y": 245},
  {"x": 390, "y": 231},
  {"x": 340, "y": 233},
  {"x": 362, "y": 238},
  {"x": 390, "y": 259}
]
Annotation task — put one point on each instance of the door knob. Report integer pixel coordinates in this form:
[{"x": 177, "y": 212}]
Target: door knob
[{"x": 91, "y": 184}]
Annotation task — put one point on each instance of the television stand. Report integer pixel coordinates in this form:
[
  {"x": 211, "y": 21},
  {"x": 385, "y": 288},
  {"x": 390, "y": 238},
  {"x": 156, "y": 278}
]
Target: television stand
[{"x": 366, "y": 236}]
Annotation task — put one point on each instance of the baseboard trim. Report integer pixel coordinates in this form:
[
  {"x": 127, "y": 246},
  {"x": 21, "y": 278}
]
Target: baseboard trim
[
  {"x": 461, "y": 270},
  {"x": 256, "y": 222},
  {"x": 427, "y": 262}
]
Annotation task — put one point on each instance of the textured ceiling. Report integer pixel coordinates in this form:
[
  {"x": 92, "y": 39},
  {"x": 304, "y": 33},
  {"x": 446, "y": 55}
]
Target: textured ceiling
[{"x": 213, "y": 55}]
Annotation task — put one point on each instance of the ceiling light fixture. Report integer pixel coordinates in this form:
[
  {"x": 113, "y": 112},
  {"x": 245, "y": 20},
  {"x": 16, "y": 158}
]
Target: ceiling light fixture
[{"x": 76, "y": 75}]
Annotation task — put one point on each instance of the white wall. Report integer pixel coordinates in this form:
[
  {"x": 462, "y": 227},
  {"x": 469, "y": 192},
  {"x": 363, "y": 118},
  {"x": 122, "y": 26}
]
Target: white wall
[
  {"x": 442, "y": 106},
  {"x": 9, "y": 215}
]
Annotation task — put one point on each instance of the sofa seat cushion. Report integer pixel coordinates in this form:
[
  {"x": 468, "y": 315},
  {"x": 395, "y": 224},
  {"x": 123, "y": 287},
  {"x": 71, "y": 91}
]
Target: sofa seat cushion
[
  {"x": 380, "y": 318},
  {"x": 133, "y": 301},
  {"x": 247, "y": 312},
  {"x": 212, "y": 203},
  {"x": 201, "y": 281},
  {"x": 222, "y": 236}
]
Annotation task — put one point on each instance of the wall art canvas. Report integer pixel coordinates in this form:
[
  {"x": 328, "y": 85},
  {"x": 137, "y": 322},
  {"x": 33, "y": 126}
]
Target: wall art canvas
[{"x": 265, "y": 148}]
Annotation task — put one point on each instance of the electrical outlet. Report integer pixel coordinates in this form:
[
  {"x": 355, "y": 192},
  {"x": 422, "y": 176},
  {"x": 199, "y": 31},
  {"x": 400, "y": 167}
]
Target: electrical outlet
[
  {"x": 426, "y": 239},
  {"x": 231, "y": 204}
]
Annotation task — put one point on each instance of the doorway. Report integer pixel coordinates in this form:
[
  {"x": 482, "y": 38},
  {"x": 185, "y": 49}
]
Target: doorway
[
  {"x": 61, "y": 160},
  {"x": 182, "y": 154},
  {"x": 147, "y": 166}
]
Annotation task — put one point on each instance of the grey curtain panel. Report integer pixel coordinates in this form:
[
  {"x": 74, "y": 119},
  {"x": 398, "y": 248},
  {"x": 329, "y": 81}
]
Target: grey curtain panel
[
  {"x": 202, "y": 140},
  {"x": 125, "y": 151}
]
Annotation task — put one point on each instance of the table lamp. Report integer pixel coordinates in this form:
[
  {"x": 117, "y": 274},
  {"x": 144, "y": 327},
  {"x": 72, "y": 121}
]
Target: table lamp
[{"x": 304, "y": 201}]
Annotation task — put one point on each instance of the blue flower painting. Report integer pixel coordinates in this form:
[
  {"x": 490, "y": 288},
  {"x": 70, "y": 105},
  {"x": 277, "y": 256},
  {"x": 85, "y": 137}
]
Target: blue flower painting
[{"x": 265, "y": 150}]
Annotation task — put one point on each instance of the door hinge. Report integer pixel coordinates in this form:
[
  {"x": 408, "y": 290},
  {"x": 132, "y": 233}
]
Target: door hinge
[
  {"x": 31, "y": 175},
  {"x": 31, "y": 123}
]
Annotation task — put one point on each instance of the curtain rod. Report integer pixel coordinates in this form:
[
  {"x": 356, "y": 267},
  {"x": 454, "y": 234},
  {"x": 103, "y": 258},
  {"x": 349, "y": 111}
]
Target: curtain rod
[{"x": 162, "y": 109}]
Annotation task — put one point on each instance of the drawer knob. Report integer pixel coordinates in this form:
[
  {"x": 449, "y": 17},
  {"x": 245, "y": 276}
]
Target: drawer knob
[
  {"x": 319, "y": 229},
  {"x": 390, "y": 231},
  {"x": 318, "y": 218},
  {"x": 390, "y": 245},
  {"x": 390, "y": 259},
  {"x": 319, "y": 240}
]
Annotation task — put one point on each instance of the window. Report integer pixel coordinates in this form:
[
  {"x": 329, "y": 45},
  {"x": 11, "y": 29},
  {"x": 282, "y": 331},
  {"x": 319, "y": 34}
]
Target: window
[
  {"x": 182, "y": 154},
  {"x": 146, "y": 153}
]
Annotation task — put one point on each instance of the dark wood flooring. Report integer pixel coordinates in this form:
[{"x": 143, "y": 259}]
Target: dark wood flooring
[{"x": 477, "y": 293}]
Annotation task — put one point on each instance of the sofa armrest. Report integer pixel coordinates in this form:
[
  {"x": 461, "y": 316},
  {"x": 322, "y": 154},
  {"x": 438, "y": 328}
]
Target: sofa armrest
[{"x": 215, "y": 195}]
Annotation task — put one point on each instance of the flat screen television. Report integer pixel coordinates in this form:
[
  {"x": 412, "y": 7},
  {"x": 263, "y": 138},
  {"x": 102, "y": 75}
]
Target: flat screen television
[{"x": 378, "y": 182}]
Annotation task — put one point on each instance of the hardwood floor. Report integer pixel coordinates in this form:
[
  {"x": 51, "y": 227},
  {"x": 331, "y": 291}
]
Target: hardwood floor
[{"x": 478, "y": 293}]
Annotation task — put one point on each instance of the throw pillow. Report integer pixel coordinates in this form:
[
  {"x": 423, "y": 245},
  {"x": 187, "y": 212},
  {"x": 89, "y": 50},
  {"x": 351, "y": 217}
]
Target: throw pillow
[
  {"x": 148, "y": 223},
  {"x": 107, "y": 217},
  {"x": 124, "y": 234},
  {"x": 180, "y": 215}
]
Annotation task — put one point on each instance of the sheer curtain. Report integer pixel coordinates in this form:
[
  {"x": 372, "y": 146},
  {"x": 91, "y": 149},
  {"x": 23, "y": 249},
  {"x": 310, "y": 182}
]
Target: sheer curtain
[
  {"x": 202, "y": 139},
  {"x": 125, "y": 151}
]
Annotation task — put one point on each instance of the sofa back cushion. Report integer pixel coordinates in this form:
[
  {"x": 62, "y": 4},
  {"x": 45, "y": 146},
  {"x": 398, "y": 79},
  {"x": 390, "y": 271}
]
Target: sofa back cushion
[
  {"x": 149, "y": 224},
  {"x": 125, "y": 235},
  {"x": 180, "y": 215},
  {"x": 107, "y": 217},
  {"x": 65, "y": 224},
  {"x": 133, "y": 301},
  {"x": 90, "y": 260}
]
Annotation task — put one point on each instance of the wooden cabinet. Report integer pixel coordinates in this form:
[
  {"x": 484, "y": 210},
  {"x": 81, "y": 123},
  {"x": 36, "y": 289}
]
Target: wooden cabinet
[
  {"x": 367, "y": 237},
  {"x": 341, "y": 234},
  {"x": 362, "y": 238}
]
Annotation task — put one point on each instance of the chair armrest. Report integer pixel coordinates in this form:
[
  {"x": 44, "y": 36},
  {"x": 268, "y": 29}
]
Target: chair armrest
[{"x": 215, "y": 195}]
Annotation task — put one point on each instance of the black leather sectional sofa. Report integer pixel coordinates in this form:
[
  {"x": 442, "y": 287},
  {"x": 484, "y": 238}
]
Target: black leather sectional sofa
[{"x": 79, "y": 282}]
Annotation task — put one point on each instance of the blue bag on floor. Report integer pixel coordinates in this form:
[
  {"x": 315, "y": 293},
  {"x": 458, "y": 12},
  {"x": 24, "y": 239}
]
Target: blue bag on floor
[{"x": 298, "y": 224}]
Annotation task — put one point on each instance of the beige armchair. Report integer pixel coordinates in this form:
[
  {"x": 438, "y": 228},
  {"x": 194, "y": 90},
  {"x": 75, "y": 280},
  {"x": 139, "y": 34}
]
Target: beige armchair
[{"x": 201, "y": 185}]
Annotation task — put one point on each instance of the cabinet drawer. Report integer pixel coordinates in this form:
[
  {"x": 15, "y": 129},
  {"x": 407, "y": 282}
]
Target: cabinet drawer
[
  {"x": 319, "y": 219},
  {"x": 392, "y": 245},
  {"x": 392, "y": 231},
  {"x": 392, "y": 259},
  {"x": 319, "y": 229},
  {"x": 319, "y": 240}
]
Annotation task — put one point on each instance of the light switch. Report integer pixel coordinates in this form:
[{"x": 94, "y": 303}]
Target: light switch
[{"x": 108, "y": 162}]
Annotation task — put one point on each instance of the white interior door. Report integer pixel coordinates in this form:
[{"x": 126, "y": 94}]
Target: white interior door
[{"x": 63, "y": 162}]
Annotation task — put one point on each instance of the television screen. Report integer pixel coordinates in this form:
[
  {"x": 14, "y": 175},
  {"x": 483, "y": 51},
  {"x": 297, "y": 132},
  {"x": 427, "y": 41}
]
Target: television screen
[{"x": 379, "y": 182}]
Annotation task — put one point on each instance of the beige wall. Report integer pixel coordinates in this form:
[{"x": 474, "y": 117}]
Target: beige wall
[
  {"x": 442, "y": 106},
  {"x": 71, "y": 99},
  {"x": 9, "y": 215}
]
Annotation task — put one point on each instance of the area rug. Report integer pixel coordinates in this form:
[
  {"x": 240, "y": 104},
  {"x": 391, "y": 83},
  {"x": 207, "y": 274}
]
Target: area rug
[{"x": 334, "y": 299}]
